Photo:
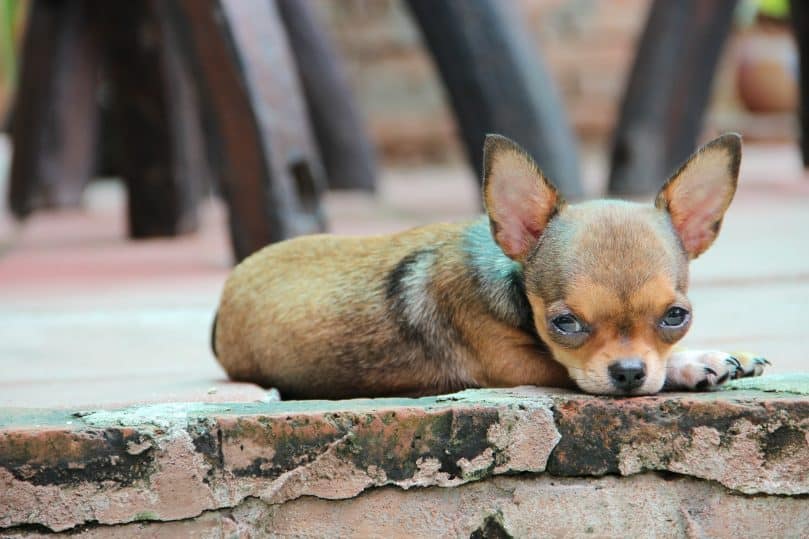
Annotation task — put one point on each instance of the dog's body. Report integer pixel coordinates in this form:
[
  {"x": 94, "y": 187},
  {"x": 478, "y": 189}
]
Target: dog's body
[
  {"x": 435, "y": 309},
  {"x": 539, "y": 293}
]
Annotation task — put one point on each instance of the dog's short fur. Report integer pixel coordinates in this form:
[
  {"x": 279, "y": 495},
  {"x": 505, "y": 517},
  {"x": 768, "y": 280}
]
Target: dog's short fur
[{"x": 589, "y": 295}]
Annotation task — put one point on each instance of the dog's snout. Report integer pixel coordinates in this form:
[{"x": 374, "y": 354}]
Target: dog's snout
[{"x": 627, "y": 374}]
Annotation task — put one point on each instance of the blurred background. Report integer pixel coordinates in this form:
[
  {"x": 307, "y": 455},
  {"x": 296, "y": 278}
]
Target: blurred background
[
  {"x": 105, "y": 299},
  {"x": 588, "y": 46}
]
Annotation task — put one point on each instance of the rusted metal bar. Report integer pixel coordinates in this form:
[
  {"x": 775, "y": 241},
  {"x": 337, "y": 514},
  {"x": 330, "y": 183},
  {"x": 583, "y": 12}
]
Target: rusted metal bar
[
  {"x": 497, "y": 83},
  {"x": 668, "y": 91}
]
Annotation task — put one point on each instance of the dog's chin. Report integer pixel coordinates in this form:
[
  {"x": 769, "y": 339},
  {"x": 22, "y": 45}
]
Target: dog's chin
[{"x": 600, "y": 385}]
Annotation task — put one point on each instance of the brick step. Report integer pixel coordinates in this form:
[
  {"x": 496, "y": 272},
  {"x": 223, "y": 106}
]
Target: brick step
[{"x": 509, "y": 460}]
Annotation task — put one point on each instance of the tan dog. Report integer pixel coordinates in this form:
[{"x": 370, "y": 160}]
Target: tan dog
[{"x": 591, "y": 295}]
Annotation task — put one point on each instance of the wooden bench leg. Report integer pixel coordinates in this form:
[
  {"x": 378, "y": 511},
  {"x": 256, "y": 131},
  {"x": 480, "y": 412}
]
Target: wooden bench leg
[
  {"x": 56, "y": 115},
  {"x": 347, "y": 152},
  {"x": 799, "y": 13},
  {"x": 156, "y": 119},
  {"x": 668, "y": 91},
  {"x": 264, "y": 158},
  {"x": 498, "y": 84}
]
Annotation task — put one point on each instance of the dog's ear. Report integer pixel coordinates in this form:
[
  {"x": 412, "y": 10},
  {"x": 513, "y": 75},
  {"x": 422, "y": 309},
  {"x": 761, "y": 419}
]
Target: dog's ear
[
  {"x": 697, "y": 196},
  {"x": 518, "y": 198}
]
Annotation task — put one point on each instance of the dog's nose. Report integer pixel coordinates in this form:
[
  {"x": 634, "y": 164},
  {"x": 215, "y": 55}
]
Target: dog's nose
[{"x": 627, "y": 374}]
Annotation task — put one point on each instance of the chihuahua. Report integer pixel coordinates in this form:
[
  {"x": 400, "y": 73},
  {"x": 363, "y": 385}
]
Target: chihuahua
[{"x": 538, "y": 292}]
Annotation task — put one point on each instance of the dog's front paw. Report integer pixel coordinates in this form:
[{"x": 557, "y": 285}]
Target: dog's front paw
[
  {"x": 750, "y": 364},
  {"x": 701, "y": 370}
]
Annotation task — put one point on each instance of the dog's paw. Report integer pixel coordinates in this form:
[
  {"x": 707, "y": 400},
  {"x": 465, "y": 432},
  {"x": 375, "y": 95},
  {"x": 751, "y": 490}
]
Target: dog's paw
[
  {"x": 750, "y": 364},
  {"x": 699, "y": 370}
]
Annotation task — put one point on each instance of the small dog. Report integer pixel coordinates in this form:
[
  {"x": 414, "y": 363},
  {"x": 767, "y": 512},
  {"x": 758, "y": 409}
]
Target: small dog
[{"x": 589, "y": 295}]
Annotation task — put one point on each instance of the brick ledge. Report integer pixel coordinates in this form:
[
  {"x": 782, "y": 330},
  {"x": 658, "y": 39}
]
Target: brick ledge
[{"x": 59, "y": 470}]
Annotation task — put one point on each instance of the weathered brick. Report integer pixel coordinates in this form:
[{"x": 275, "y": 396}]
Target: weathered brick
[{"x": 170, "y": 462}]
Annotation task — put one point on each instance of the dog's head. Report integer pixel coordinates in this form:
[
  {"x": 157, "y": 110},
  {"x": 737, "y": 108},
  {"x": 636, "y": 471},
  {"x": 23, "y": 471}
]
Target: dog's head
[{"x": 607, "y": 280}]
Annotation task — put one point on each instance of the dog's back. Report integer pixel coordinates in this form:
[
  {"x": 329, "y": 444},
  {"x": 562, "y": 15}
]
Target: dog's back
[{"x": 332, "y": 316}]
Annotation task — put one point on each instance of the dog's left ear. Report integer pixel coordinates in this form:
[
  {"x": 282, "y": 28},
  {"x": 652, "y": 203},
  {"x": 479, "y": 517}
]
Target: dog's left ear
[
  {"x": 520, "y": 201},
  {"x": 698, "y": 194}
]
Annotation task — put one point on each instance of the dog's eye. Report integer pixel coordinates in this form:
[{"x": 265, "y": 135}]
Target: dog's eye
[
  {"x": 674, "y": 317},
  {"x": 567, "y": 323}
]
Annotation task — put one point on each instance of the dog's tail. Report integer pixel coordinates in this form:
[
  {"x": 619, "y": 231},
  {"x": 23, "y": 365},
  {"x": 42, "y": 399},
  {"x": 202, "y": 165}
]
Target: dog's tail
[{"x": 213, "y": 333}]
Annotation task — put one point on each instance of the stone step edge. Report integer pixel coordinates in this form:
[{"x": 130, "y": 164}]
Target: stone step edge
[{"x": 61, "y": 469}]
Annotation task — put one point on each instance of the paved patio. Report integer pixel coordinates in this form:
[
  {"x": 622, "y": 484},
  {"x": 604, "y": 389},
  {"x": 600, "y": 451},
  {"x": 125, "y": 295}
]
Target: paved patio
[{"x": 89, "y": 318}]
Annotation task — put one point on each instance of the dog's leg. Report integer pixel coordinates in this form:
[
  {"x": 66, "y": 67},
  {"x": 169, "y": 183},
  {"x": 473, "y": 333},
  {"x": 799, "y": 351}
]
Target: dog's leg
[{"x": 705, "y": 369}]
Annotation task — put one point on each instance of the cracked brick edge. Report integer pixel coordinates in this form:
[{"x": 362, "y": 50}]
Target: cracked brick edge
[{"x": 177, "y": 461}]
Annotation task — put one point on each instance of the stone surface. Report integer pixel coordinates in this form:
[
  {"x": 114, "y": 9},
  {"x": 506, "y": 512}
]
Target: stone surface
[
  {"x": 241, "y": 465},
  {"x": 659, "y": 506},
  {"x": 746, "y": 443},
  {"x": 775, "y": 383},
  {"x": 174, "y": 461}
]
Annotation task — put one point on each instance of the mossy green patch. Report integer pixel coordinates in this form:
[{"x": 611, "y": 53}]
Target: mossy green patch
[{"x": 795, "y": 383}]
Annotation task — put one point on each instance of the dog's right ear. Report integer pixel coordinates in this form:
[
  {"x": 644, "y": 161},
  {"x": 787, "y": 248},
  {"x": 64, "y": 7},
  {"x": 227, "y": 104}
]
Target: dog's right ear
[{"x": 519, "y": 199}]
